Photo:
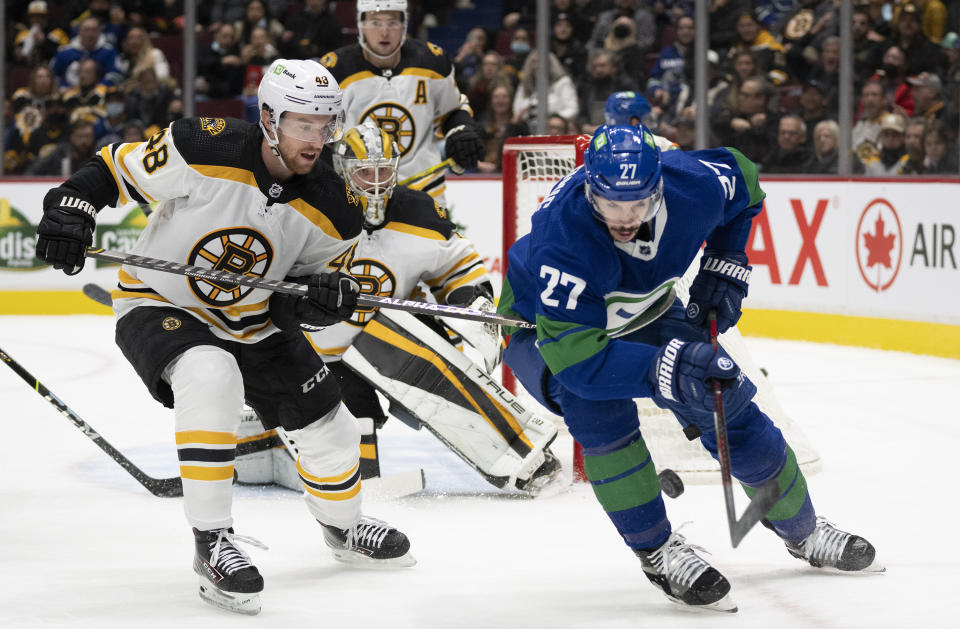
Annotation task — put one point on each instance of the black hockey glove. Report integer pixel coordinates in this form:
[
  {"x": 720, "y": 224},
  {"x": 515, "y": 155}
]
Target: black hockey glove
[
  {"x": 720, "y": 285},
  {"x": 465, "y": 146},
  {"x": 66, "y": 230},
  {"x": 681, "y": 374},
  {"x": 331, "y": 298}
]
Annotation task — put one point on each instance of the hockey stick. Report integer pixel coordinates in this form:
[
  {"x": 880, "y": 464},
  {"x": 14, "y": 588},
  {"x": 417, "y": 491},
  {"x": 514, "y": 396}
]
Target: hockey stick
[
  {"x": 363, "y": 299},
  {"x": 164, "y": 487},
  {"x": 98, "y": 294},
  {"x": 447, "y": 163},
  {"x": 766, "y": 497}
]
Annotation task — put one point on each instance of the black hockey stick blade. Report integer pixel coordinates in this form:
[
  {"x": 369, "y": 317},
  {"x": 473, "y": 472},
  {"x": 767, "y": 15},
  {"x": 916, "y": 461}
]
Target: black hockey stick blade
[
  {"x": 163, "y": 487},
  {"x": 98, "y": 294},
  {"x": 293, "y": 288},
  {"x": 759, "y": 506}
]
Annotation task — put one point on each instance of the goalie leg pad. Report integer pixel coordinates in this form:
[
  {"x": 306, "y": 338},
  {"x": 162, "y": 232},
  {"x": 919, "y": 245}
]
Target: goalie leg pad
[{"x": 457, "y": 400}]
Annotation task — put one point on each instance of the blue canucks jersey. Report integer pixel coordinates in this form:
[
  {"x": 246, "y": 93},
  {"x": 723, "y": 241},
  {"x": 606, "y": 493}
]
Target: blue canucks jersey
[{"x": 587, "y": 292}]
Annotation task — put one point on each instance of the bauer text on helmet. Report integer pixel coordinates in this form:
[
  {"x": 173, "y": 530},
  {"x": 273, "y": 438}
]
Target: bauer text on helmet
[
  {"x": 624, "y": 183},
  {"x": 367, "y": 158},
  {"x": 381, "y": 26}
]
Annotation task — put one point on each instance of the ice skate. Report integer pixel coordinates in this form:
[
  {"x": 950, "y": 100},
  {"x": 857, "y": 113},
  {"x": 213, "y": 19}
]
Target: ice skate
[
  {"x": 228, "y": 579},
  {"x": 686, "y": 578},
  {"x": 371, "y": 543},
  {"x": 829, "y": 547},
  {"x": 547, "y": 479}
]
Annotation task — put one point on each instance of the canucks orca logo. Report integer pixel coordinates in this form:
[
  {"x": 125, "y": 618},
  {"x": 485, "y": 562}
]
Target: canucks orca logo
[
  {"x": 234, "y": 249},
  {"x": 396, "y": 121},
  {"x": 375, "y": 279}
]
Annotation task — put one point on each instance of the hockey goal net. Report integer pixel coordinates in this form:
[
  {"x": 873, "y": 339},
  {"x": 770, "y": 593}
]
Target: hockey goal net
[{"x": 531, "y": 167}]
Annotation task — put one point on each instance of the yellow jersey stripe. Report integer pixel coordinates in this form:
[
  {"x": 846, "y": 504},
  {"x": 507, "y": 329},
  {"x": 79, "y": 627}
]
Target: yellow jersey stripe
[
  {"x": 326, "y": 495},
  {"x": 325, "y": 351},
  {"x": 466, "y": 279},
  {"x": 196, "y": 472},
  {"x": 240, "y": 175},
  {"x": 216, "y": 323},
  {"x": 330, "y": 479},
  {"x": 126, "y": 278},
  {"x": 108, "y": 159},
  {"x": 378, "y": 330},
  {"x": 125, "y": 150},
  {"x": 316, "y": 217},
  {"x": 357, "y": 76},
  {"x": 205, "y": 436},
  {"x": 125, "y": 294},
  {"x": 424, "y": 72},
  {"x": 413, "y": 230},
  {"x": 464, "y": 261}
]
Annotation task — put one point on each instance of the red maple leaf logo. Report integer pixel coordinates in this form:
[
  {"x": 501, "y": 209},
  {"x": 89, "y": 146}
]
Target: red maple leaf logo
[{"x": 878, "y": 245}]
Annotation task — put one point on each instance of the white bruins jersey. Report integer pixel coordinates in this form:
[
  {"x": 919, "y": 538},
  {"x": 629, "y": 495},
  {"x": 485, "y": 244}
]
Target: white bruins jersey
[
  {"x": 417, "y": 242},
  {"x": 222, "y": 210},
  {"x": 410, "y": 102}
]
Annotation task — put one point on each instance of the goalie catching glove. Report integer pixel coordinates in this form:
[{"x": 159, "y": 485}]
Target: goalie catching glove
[
  {"x": 681, "y": 376},
  {"x": 720, "y": 285},
  {"x": 66, "y": 230},
  {"x": 331, "y": 298},
  {"x": 464, "y": 146}
]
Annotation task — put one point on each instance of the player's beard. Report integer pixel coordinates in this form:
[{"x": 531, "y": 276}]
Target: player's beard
[
  {"x": 296, "y": 160},
  {"x": 623, "y": 233}
]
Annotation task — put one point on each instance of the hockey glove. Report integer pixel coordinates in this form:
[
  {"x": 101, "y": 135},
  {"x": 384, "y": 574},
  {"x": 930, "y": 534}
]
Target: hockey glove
[
  {"x": 66, "y": 230},
  {"x": 331, "y": 298},
  {"x": 484, "y": 337},
  {"x": 681, "y": 376},
  {"x": 720, "y": 285},
  {"x": 465, "y": 147}
]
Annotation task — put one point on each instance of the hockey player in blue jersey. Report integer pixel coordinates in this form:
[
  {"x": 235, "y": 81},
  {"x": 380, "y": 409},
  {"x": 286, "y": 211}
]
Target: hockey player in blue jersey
[
  {"x": 597, "y": 273},
  {"x": 626, "y": 109}
]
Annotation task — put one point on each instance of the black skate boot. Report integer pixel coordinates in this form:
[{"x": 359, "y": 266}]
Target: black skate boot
[
  {"x": 227, "y": 578},
  {"x": 369, "y": 542},
  {"x": 829, "y": 547},
  {"x": 546, "y": 478},
  {"x": 685, "y": 578}
]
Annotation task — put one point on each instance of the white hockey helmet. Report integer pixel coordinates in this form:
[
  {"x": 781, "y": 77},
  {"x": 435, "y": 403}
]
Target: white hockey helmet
[
  {"x": 300, "y": 86},
  {"x": 367, "y": 158},
  {"x": 371, "y": 6}
]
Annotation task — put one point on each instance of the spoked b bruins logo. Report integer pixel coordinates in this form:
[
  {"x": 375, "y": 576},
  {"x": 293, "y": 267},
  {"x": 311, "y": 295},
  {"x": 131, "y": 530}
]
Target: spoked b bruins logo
[
  {"x": 375, "y": 279},
  {"x": 396, "y": 121},
  {"x": 234, "y": 249}
]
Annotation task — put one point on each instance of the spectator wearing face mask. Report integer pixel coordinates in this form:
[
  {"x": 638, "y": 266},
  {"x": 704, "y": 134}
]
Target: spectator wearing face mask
[{"x": 645, "y": 30}]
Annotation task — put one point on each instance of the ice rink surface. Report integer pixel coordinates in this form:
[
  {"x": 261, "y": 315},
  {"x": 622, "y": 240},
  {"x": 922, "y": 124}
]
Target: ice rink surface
[{"x": 83, "y": 545}]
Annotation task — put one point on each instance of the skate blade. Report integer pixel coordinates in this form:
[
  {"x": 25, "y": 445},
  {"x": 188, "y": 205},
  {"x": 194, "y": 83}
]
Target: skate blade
[
  {"x": 236, "y": 602},
  {"x": 548, "y": 486},
  {"x": 363, "y": 561},
  {"x": 725, "y": 605}
]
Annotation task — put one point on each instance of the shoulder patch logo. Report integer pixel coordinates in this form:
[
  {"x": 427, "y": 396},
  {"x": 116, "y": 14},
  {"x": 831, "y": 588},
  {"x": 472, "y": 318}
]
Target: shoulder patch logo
[
  {"x": 329, "y": 60},
  {"x": 235, "y": 249},
  {"x": 437, "y": 50},
  {"x": 170, "y": 323},
  {"x": 213, "y": 126}
]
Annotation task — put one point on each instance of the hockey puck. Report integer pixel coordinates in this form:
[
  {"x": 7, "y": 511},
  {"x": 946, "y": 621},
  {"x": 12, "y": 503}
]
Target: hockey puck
[{"x": 670, "y": 483}]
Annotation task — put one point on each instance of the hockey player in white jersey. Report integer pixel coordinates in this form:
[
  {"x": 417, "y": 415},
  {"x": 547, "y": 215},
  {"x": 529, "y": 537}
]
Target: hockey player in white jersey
[
  {"x": 408, "y": 242},
  {"x": 251, "y": 199},
  {"x": 407, "y": 86}
]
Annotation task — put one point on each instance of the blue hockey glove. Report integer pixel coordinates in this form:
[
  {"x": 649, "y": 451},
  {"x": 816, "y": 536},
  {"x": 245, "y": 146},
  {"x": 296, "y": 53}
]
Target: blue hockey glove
[
  {"x": 681, "y": 374},
  {"x": 66, "y": 230},
  {"x": 720, "y": 285},
  {"x": 332, "y": 298}
]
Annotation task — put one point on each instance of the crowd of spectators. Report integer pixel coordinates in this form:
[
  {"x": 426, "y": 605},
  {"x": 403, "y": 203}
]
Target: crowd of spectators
[{"x": 92, "y": 73}]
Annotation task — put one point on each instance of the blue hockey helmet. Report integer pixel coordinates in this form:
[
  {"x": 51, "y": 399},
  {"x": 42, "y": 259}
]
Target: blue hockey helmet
[
  {"x": 623, "y": 107},
  {"x": 624, "y": 182}
]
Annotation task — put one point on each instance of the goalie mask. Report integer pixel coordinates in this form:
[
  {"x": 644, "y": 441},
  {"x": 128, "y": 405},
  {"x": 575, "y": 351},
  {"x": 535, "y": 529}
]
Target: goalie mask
[
  {"x": 367, "y": 159},
  {"x": 375, "y": 6},
  {"x": 300, "y": 87}
]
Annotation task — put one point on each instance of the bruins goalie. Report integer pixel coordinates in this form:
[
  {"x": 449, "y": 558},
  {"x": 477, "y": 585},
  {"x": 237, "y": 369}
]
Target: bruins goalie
[{"x": 410, "y": 246}]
